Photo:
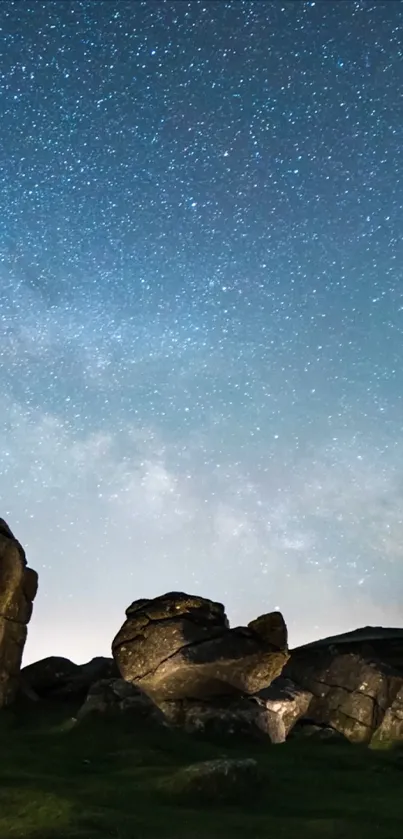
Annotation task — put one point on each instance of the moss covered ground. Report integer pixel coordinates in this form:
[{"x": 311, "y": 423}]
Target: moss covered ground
[{"x": 115, "y": 778}]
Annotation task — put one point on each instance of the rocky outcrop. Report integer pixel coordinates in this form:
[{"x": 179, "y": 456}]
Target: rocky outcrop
[
  {"x": 18, "y": 587},
  {"x": 177, "y": 660},
  {"x": 59, "y": 678},
  {"x": 370, "y": 642},
  {"x": 218, "y": 716},
  {"x": 180, "y": 646},
  {"x": 45, "y": 676},
  {"x": 390, "y": 730},
  {"x": 115, "y": 696},
  {"x": 361, "y": 697}
]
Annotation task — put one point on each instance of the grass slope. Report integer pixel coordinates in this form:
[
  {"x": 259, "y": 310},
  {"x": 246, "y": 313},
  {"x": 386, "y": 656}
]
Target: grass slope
[{"x": 108, "y": 778}]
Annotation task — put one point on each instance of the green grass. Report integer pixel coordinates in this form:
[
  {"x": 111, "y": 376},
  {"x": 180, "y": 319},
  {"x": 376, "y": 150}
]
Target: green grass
[{"x": 111, "y": 778}]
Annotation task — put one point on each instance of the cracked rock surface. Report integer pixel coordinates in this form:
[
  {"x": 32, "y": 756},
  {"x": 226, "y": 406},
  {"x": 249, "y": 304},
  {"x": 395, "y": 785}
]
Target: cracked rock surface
[
  {"x": 180, "y": 646},
  {"x": 355, "y": 693},
  {"x": 18, "y": 587}
]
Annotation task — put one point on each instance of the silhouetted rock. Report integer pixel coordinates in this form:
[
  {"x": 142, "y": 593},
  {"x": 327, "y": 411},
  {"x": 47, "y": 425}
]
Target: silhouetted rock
[
  {"x": 57, "y": 677},
  {"x": 180, "y": 646},
  {"x": 370, "y": 642},
  {"x": 18, "y": 587},
  {"x": 48, "y": 674}
]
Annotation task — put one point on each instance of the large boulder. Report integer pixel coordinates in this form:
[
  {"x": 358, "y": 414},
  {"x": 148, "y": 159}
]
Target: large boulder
[
  {"x": 18, "y": 587},
  {"x": 180, "y": 646},
  {"x": 355, "y": 695}
]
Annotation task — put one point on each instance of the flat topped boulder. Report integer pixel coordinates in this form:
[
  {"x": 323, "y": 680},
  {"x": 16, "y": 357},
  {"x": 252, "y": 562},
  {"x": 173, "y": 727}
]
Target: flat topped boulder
[
  {"x": 181, "y": 646},
  {"x": 176, "y": 603},
  {"x": 18, "y": 587}
]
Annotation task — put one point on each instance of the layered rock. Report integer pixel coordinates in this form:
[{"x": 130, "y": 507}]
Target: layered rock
[
  {"x": 18, "y": 587},
  {"x": 180, "y": 646}
]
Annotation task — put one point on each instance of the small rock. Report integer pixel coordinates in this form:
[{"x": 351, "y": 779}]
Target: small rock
[{"x": 217, "y": 782}]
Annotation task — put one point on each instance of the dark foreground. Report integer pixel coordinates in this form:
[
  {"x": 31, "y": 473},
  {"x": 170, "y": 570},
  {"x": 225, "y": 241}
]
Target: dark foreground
[{"x": 116, "y": 778}]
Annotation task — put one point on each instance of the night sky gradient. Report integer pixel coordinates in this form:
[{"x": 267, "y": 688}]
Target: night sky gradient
[{"x": 201, "y": 309}]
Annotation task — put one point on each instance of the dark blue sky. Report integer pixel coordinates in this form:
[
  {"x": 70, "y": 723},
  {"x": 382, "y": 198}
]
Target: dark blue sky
[{"x": 202, "y": 308}]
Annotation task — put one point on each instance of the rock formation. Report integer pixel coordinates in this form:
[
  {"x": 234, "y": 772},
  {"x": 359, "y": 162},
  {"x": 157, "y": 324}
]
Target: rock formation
[
  {"x": 56, "y": 677},
  {"x": 177, "y": 661},
  {"x": 179, "y": 646},
  {"x": 115, "y": 696},
  {"x": 219, "y": 716},
  {"x": 351, "y": 689},
  {"x": 390, "y": 730},
  {"x": 18, "y": 587},
  {"x": 370, "y": 642},
  {"x": 282, "y": 704}
]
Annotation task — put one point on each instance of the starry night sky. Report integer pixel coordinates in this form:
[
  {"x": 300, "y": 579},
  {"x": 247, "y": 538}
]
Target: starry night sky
[{"x": 201, "y": 321}]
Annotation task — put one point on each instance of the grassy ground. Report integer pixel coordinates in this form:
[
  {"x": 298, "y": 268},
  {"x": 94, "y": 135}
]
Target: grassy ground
[{"x": 106, "y": 779}]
